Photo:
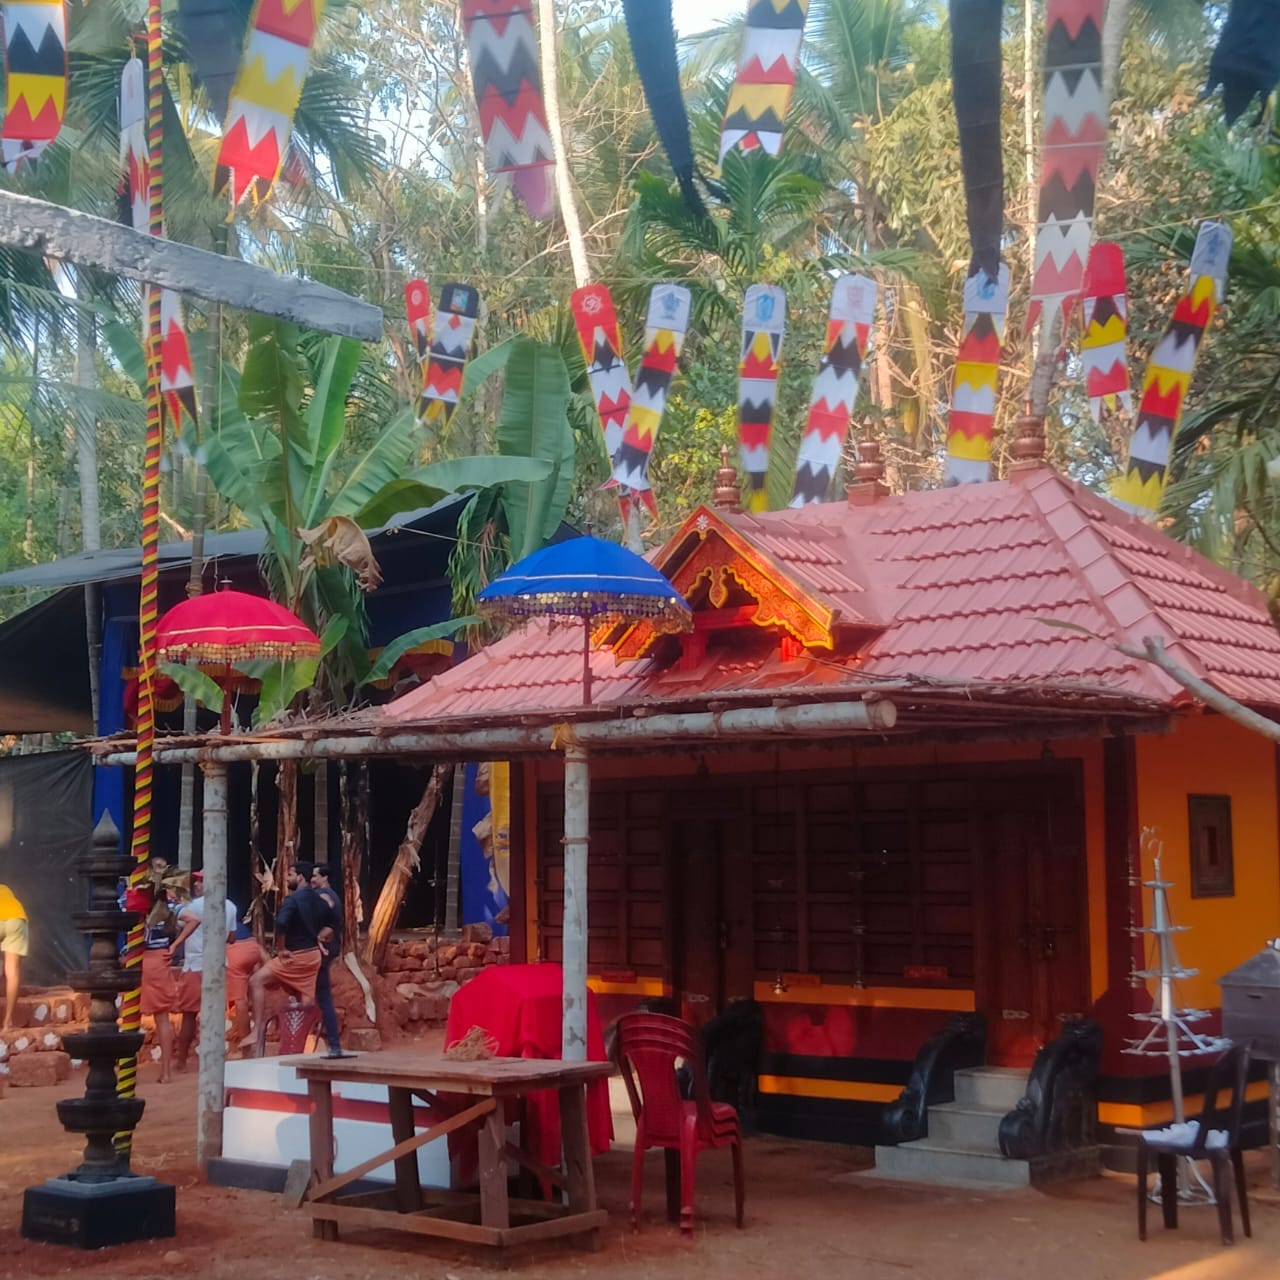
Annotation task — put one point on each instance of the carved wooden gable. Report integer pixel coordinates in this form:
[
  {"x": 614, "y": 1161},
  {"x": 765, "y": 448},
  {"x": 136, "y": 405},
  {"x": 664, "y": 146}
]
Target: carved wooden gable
[{"x": 731, "y": 583}]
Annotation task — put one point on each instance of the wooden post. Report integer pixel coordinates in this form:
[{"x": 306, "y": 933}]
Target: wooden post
[
  {"x": 1273, "y": 1122},
  {"x": 577, "y": 795},
  {"x": 213, "y": 978},
  {"x": 286, "y": 826}
]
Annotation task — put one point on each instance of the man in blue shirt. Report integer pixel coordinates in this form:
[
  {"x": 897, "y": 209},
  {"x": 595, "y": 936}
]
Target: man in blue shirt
[
  {"x": 324, "y": 989},
  {"x": 304, "y": 922}
]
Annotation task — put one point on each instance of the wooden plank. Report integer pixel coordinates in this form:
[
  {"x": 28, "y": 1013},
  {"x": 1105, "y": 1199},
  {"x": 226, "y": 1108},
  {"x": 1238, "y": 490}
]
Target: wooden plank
[
  {"x": 405, "y": 1068},
  {"x": 52, "y": 231},
  {"x": 321, "y": 1140},
  {"x": 494, "y": 1206},
  {"x": 576, "y": 1224},
  {"x": 415, "y": 1223},
  {"x": 576, "y": 1142},
  {"x": 536, "y": 1167},
  {"x": 463, "y": 1118},
  {"x": 408, "y": 1192},
  {"x": 383, "y": 1199}
]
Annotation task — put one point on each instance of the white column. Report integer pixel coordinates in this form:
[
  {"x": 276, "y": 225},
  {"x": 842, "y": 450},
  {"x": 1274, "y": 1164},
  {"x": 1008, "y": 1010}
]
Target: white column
[
  {"x": 577, "y": 794},
  {"x": 213, "y": 980}
]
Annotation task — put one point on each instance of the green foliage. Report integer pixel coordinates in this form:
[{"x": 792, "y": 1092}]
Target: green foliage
[
  {"x": 194, "y": 683},
  {"x": 401, "y": 645}
]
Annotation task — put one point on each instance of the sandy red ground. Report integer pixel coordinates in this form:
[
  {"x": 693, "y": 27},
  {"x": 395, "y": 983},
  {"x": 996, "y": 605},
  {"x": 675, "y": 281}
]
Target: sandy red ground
[{"x": 808, "y": 1213}]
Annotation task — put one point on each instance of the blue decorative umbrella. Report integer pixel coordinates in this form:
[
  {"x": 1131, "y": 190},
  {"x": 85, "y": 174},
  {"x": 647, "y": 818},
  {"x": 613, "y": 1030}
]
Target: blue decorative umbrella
[{"x": 589, "y": 579}]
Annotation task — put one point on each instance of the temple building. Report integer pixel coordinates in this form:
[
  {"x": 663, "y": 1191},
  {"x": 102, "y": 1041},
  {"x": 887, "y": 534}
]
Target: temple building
[{"x": 977, "y": 851}]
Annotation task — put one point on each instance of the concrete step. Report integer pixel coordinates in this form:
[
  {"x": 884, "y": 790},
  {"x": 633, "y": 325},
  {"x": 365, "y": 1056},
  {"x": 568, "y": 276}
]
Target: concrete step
[
  {"x": 990, "y": 1088},
  {"x": 928, "y": 1161},
  {"x": 951, "y": 1125}
]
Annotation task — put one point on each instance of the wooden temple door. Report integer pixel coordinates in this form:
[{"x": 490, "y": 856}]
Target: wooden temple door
[
  {"x": 1036, "y": 975},
  {"x": 710, "y": 876}
]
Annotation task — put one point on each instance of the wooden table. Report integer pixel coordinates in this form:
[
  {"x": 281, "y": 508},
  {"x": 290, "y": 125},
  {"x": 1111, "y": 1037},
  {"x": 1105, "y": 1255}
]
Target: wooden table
[{"x": 492, "y": 1217}]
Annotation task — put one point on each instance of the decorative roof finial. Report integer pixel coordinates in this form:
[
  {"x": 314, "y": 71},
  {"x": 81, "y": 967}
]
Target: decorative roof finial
[
  {"x": 1028, "y": 447},
  {"x": 868, "y": 472},
  {"x": 728, "y": 493}
]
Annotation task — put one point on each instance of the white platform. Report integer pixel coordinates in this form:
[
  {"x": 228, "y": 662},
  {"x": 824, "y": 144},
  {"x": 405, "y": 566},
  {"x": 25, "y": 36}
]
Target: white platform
[{"x": 265, "y": 1121}]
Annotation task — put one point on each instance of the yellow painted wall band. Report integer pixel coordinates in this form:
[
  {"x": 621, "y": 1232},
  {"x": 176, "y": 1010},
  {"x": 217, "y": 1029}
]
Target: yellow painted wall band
[
  {"x": 948, "y": 999},
  {"x": 844, "y": 1090}
]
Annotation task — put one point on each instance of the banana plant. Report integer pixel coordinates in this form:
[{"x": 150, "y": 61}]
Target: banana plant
[
  {"x": 295, "y": 449},
  {"x": 508, "y": 522}
]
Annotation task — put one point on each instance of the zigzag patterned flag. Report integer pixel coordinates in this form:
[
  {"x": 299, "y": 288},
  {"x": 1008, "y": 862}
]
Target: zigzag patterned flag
[
  {"x": 853, "y": 310},
  {"x": 1075, "y": 137},
  {"x": 135, "y": 165},
  {"x": 1168, "y": 375},
  {"x": 1106, "y": 324},
  {"x": 666, "y": 324},
  {"x": 508, "y": 83},
  {"x": 601, "y": 339},
  {"x": 766, "y": 76},
  {"x": 452, "y": 329},
  {"x": 265, "y": 96},
  {"x": 417, "y": 309},
  {"x": 35, "y": 78},
  {"x": 764, "y": 324},
  {"x": 973, "y": 392},
  {"x": 177, "y": 373}
]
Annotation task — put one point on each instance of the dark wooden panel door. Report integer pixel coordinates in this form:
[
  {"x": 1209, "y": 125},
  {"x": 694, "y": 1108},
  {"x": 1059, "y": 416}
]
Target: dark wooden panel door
[
  {"x": 1036, "y": 971},
  {"x": 698, "y": 918}
]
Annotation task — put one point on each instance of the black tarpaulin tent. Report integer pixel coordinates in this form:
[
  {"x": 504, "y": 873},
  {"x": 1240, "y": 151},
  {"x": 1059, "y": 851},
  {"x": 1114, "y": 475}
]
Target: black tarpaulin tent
[{"x": 44, "y": 826}]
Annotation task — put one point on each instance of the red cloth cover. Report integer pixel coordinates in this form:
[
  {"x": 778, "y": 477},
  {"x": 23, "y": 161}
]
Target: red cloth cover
[{"x": 520, "y": 1006}]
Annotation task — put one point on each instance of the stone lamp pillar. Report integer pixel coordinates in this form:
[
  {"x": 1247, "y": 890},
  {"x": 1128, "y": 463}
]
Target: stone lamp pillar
[{"x": 100, "y": 1202}]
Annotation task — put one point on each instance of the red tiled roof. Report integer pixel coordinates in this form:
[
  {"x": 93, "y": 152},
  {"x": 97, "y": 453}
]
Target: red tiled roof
[{"x": 967, "y": 581}]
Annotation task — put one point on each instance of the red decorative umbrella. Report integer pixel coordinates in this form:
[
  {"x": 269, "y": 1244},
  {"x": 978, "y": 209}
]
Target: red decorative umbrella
[{"x": 232, "y": 626}]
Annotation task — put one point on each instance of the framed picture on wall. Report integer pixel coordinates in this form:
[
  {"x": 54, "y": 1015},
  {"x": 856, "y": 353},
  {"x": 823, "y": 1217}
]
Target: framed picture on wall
[{"x": 1213, "y": 872}]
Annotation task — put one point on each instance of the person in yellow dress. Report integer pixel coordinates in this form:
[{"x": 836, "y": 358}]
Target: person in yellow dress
[{"x": 13, "y": 943}]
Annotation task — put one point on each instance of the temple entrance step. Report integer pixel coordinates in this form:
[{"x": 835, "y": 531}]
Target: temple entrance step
[
  {"x": 962, "y": 1148},
  {"x": 929, "y": 1161},
  {"x": 990, "y": 1088}
]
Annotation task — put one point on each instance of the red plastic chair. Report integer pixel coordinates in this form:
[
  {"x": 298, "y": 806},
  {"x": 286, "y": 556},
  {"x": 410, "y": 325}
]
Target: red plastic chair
[
  {"x": 650, "y": 1046},
  {"x": 297, "y": 1023}
]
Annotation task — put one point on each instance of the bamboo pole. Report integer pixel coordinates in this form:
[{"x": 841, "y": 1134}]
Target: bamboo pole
[
  {"x": 555, "y": 127},
  {"x": 213, "y": 977},
  {"x": 131, "y": 1003},
  {"x": 801, "y": 722},
  {"x": 577, "y": 825}
]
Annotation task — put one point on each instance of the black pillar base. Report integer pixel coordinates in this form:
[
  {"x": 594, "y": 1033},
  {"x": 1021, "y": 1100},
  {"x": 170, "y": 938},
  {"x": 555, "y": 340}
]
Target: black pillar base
[{"x": 90, "y": 1215}]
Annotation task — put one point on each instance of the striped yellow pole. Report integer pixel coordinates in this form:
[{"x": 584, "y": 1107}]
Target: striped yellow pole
[{"x": 131, "y": 1005}]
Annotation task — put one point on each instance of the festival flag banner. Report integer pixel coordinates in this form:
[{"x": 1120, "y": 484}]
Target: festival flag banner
[
  {"x": 1168, "y": 374},
  {"x": 503, "y": 48},
  {"x": 666, "y": 324},
  {"x": 853, "y": 309},
  {"x": 452, "y": 329},
  {"x": 265, "y": 97},
  {"x": 35, "y": 79},
  {"x": 975, "y": 95},
  {"x": 1075, "y": 137},
  {"x": 973, "y": 391},
  {"x": 766, "y": 78},
  {"x": 1106, "y": 322},
  {"x": 601, "y": 340},
  {"x": 177, "y": 373},
  {"x": 135, "y": 169},
  {"x": 417, "y": 308},
  {"x": 764, "y": 324}
]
